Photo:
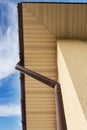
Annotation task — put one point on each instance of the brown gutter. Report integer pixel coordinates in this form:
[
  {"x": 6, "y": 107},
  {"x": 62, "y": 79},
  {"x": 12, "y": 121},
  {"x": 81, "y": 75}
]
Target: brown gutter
[
  {"x": 60, "y": 116},
  {"x": 21, "y": 55}
]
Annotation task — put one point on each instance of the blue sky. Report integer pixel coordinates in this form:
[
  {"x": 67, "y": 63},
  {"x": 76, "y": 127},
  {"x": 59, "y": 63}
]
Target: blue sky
[{"x": 10, "y": 110}]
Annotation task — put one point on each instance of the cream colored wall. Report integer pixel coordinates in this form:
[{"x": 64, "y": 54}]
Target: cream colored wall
[{"x": 75, "y": 116}]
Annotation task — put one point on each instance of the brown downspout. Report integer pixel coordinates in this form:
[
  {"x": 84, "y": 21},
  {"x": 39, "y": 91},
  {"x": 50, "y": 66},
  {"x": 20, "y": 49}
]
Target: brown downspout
[{"x": 60, "y": 116}]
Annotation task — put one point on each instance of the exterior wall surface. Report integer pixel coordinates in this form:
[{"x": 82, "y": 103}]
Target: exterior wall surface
[{"x": 72, "y": 70}]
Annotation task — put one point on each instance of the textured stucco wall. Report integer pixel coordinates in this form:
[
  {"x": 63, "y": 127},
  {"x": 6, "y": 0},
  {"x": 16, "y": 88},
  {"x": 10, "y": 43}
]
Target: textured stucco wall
[{"x": 72, "y": 69}]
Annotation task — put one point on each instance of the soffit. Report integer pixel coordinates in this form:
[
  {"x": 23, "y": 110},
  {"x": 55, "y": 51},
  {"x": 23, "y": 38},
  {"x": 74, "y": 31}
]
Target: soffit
[{"x": 62, "y": 20}]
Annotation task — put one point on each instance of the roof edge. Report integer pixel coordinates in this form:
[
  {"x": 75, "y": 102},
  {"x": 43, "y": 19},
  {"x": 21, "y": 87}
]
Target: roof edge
[
  {"x": 54, "y": 2},
  {"x": 21, "y": 56},
  {"x": 20, "y": 24}
]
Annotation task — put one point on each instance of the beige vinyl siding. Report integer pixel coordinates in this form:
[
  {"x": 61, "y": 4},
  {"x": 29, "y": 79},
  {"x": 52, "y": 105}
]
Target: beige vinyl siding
[
  {"x": 39, "y": 56},
  {"x": 63, "y": 20},
  {"x": 43, "y": 24}
]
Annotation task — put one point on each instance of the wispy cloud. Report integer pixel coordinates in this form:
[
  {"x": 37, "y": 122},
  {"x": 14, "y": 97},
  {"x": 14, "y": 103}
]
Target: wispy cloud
[
  {"x": 10, "y": 110},
  {"x": 19, "y": 123},
  {"x": 4, "y": 1},
  {"x": 8, "y": 38}
]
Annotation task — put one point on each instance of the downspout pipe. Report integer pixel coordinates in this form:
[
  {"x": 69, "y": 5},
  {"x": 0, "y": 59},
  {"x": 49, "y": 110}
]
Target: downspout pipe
[
  {"x": 60, "y": 116},
  {"x": 36, "y": 76}
]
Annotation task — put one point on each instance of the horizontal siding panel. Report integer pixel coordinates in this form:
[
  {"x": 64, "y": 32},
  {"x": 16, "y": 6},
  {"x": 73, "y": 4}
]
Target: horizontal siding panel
[
  {"x": 27, "y": 14},
  {"x": 43, "y": 128},
  {"x": 41, "y": 63},
  {"x": 52, "y": 77},
  {"x": 37, "y": 35},
  {"x": 40, "y": 109},
  {"x": 34, "y": 81},
  {"x": 28, "y": 90},
  {"x": 40, "y": 69},
  {"x": 36, "y": 85},
  {"x": 34, "y": 99},
  {"x": 37, "y": 102},
  {"x": 40, "y": 86},
  {"x": 30, "y": 18},
  {"x": 39, "y": 46},
  {"x": 33, "y": 39},
  {"x": 39, "y": 89},
  {"x": 41, "y": 125},
  {"x": 41, "y": 51},
  {"x": 39, "y": 56},
  {"x": 40, "y": 60},
  {"x": 40, "y": 103},
  {"x": 32, "y": 23},
  {"x": 42, "y": 42},
  {"x": 43, "y": 115},
  {"x": 33, "y": 27},
  {"x": 46, "y": 106},
  {"x": 43, "y": 95},
  {"x": 48, "y": 74},
  {"x": 34, "y": 31},
  {"x": 43, "y": 120},
  {"x": 34, "y": 125}
]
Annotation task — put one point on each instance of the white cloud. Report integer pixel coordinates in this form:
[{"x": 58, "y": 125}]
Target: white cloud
[
  {"x": 9, "y": 43},
  {"x": 19, "y": 123},
  {"x": 4, "y": 1},
  {"x": 10, "y": 110}
]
